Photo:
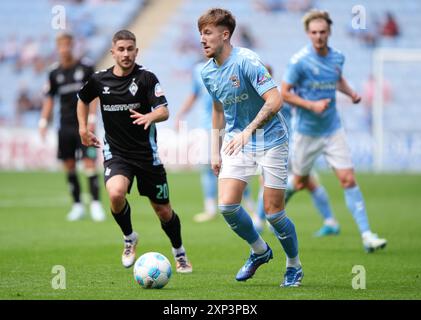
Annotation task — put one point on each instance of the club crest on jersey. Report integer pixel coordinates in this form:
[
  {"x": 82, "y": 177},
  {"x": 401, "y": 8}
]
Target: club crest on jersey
[
  {"x": 106, "y": 90},
  {"x": 235, "y": 81},
  {"x": 133, "y": 88},
  {"x": 158, "y": 90}
]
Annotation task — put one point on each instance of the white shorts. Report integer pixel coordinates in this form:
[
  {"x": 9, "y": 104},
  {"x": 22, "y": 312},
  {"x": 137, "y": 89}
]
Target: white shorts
[
  {"x": 273, "y": 164},
  {"x": 307, "y": 148}
]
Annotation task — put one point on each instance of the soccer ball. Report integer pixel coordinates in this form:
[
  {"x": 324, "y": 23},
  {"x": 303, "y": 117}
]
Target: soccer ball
[{"x": 152, "y": 270}]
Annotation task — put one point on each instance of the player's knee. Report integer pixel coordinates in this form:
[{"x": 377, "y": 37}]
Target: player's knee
[
  {"x": 301, "y": 183},
  {"x": 163, "y": 211},
  {"x": 347, "y": 181},
  {"x": 117, "y": 196}
]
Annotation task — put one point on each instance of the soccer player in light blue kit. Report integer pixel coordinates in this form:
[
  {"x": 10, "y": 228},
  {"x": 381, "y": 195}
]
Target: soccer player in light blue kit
[
  {"x": 317, "y": 191},
  {"x": 310, "y": 83},
  {"x": 246, "y": 106},
  {"x": 200, "y": 96}
]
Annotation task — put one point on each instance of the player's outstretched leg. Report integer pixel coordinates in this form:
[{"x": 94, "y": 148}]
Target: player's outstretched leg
[
  {"x": 209, "y": 188},
  {"x": 240, "y": 222},
  {"x": 130, "y": 237},
  {"x": 172, "y": 228},
  {"x": 322, "y": 204},
  {"x": 96, "y": 209},
  {"x": 285, "y": 231},
  {"x": 78, "y": 210},
  {"x": 355, "y": 203}
]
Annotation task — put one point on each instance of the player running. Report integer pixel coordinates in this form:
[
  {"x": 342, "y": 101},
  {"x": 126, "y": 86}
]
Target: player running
[
  {"x": 64, "y": 80},
  {"x": 246, "y": 103},
  {"x": 310, "y": 83},
  {"x": 132, "y": 101}
]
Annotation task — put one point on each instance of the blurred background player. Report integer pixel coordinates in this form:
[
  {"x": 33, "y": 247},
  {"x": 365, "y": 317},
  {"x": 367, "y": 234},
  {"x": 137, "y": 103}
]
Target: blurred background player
[
  {"x": 310, "y": 83},
  {"x": 317, "y": 191},
  {"x": 200, "y": 96},
  {"x": 245, "y": 108},
  {"x": 132, "y": 101},
  {"x": 64, "y": 80}
]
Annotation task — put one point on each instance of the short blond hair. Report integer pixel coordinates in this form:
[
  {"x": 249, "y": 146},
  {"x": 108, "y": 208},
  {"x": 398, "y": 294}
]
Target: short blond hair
[{"x": 315, "y": 14}]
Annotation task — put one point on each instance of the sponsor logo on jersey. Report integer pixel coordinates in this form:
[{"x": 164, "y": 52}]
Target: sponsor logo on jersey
[
  {"x": 237, "y": 99},
  {"x": 120, "y": 107},
  {"x": 107, "y": 171},
  {"x": 158, "y": 90},
  {"x": 106, "y": 90},
  {"x": 263, "y": 77},
  {"x": 235, "y": 81}
]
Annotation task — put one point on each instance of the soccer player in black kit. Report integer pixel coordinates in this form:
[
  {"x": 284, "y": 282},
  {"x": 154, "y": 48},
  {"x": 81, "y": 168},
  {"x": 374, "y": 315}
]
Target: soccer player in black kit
[
  {"x": 131, "y": 101},
  {"x": 64, "y": 81}
]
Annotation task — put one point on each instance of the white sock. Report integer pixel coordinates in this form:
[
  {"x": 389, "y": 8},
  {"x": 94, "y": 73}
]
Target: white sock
[
  {"x": 331, "y": 222},
  {"x": 366, "y": 234},
  {"x": 259, "y": 246},
  {"x": 131, "y": 237},
  {"x": 294, "y": 262},
  {"x": 178, "y": 251}
]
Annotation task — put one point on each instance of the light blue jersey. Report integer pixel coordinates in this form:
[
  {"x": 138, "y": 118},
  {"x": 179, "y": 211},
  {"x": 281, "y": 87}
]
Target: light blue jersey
[
  {"x": 315, "y": 77},
  {"x": 205, "y": 100},
  {"x": 239, "y": 84}
]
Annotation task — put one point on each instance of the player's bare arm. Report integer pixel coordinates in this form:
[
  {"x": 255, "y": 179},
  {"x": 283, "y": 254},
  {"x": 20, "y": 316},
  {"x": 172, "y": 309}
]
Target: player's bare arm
[
  {"x": 345, "y": 88},
  {"x": 218, "y": 125},
  {"x": 47, "y": 107},
  {"x": 159, "y": 114},
  {"x": 92, "y": 115},
  {"x": 273, "y": 103},
  {"x": 315, "y": 106},
  {"x": 88, "y": 138}
]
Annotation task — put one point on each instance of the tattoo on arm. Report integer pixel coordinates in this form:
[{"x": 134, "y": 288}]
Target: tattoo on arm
[{"x": 262, "y": 118}]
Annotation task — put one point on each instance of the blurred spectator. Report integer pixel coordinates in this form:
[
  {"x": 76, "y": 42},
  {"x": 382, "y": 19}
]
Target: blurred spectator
[
  {"x": 369, "y": 35},
  {"x": 11, "y": 49},
  {"x": 390, "y": 27},
  {"x": 368, "y": 92},
  {"x": 244, "y": 37},
  {"x": 27, "y": 107},
  {"x": 300, "y": 5},
  {"x": 270, "y": 5}
]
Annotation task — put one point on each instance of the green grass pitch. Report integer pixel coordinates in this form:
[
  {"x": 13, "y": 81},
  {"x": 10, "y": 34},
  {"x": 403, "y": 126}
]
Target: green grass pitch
[{"x": 34, "y": 237}]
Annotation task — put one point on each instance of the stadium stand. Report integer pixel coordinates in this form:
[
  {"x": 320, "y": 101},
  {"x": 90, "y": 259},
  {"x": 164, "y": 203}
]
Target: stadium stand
[{"x": 28, "y": 43}]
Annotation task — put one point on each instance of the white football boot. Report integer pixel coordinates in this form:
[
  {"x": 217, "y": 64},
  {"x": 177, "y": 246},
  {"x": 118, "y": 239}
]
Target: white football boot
[
  {"x": 97, "y": 212},
  {"x": 77, "y": 212},
  {"x": 372, "y": 242},
  {"x": 128, "y": 257}
]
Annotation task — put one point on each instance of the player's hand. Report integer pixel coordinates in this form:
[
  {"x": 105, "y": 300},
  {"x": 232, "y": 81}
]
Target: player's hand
[
  {"x": 89, "y": 139},
  {"x": 141, "y": 119},
  {"x": 355, "y": 97},
  {"x": 320, "y": 105},
  {"x": 236, "y": 144},
  {"x": 216, "y": 166}
]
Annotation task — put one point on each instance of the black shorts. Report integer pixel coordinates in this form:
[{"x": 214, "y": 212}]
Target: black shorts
[
  {"x": 70, "y": 146},
  {"x": 151, "y": 180}
]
